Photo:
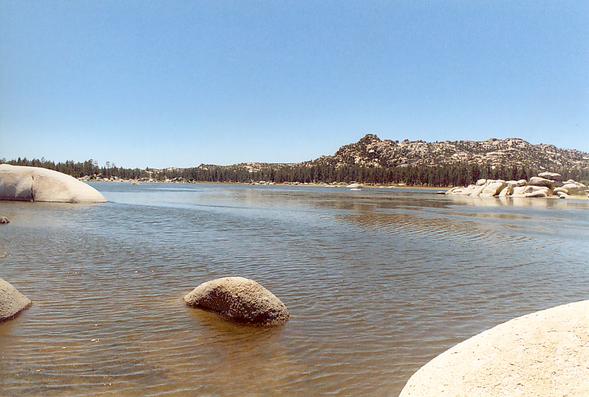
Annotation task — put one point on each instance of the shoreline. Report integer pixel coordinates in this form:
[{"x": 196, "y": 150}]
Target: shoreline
[{"x": 340, "y": 185}]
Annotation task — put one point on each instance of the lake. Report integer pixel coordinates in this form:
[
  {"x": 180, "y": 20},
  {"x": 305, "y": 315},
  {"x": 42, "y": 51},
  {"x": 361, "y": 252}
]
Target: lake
[{"x": 377, "y": 281}]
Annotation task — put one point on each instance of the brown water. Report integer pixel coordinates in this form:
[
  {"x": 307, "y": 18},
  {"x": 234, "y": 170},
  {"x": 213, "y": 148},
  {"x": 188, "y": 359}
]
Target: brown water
[{"x": 378, "y": 282}]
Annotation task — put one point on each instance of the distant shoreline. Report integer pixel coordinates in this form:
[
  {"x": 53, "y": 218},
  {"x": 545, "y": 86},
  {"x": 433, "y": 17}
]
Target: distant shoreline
[{"x": 341, "y": 185}]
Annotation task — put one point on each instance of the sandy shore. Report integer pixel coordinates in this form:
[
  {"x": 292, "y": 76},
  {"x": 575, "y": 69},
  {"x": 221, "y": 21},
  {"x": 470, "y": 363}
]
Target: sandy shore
[{"x": 542, "y": 354}]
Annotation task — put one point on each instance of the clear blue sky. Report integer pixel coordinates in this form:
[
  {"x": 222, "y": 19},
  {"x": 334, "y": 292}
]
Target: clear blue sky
[{"x": 178, "y": 83}]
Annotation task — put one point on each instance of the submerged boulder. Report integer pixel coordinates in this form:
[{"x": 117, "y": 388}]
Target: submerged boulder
[
  {"x": 22, "y": 183},
  {"x": 239, "y": 299},
  {"x": 11, "y": 301}
]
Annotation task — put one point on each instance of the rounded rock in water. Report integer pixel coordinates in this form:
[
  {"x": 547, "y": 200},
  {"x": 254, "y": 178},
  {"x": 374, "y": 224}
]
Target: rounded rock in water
[
  {"x": 241, "y": 300},
  {"x": 12, "y": 301}
]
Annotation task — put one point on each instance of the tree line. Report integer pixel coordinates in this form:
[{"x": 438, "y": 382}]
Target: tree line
[{"x": 447, "y": 175}]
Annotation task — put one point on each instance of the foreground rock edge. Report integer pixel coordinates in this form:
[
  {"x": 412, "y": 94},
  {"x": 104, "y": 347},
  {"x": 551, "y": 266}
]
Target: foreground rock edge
[
  {"x": 239, "y": 300},
  {"x": 12, "y": 302},
  {"x": 539, "y": 354}
]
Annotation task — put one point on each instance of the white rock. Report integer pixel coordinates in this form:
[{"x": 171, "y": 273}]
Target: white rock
[
  {"x": 476, "y": 190},
  {"x": 521, "y": 182},
  {"x": 492, "y": 188},
  {"x": 551, "y": 175},
  {"x": 461, "y": 191},
  {"x": 507, "y": 190},
  {"x": 537, "y": 191},
  {"x": 572, "y": 188},
  {"x": 40, "y": 184},
  {"x": 543, "y": 354},
  {"x": 538, "y": 181}
]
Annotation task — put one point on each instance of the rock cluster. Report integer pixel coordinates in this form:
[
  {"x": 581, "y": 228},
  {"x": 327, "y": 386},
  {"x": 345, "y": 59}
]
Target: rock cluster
[
  {"x": 4, "y": 220},
  {"x": 11, "y": 301},
  {"x": 546, "y": 184},
  {"x": 239, "y": 299},
  {"x": 20, "y": 183}
]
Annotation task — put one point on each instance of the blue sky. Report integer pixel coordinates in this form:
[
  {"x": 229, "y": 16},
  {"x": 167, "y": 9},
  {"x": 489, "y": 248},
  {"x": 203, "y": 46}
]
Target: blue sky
[{"x": 179, "y": 83}]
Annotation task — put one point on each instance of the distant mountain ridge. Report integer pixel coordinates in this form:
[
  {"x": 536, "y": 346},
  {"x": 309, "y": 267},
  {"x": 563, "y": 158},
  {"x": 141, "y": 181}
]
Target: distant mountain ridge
[
  {"x": 371, "y": 151},
  {"x": 370, "y": 160}
]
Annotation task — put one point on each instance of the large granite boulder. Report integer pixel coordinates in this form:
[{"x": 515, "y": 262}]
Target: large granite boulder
[
  {"x": 39, "y": 184},
  {"x": 537, "y": 191},
  {"x": 539, "y": 181},
  {"x": 241, "y": 300},
  {"x": 12, "y": 302},
  {"x": 460, "y": 190},
  {"x": 550, "y": 175},
  {"x": 477, "y": 190},
  {"x": 573, "y": 188},
  {"x": 492, "y": 188},
  {"x": 543, "y": 354},
  {"x": 507, "y": 190}
]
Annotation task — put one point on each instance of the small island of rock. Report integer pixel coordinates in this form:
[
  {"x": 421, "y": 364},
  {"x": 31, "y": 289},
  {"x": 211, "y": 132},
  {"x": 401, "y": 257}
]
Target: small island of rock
[
  {"x": 546, "y": 184},
  {"x": 240, "y": 300},
  {"x": 21, "y": 183}
]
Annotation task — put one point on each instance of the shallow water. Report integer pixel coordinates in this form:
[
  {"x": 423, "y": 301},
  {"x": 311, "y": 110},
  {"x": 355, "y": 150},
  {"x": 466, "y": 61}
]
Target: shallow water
[{"x": 377, "y": 281}]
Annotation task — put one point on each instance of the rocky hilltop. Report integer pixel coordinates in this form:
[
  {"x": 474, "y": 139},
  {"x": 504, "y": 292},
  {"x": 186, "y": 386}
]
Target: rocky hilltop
[
  {"x": 371, "y": 151},
  {"x": 371, "y": 160}
]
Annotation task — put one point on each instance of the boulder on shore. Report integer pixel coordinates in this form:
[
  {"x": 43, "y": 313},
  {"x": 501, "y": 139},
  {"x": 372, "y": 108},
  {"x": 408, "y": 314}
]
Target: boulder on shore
[
  {"x": 20, "y": 183},
  {"x": 539, "y": 181},
  {"x": 537, "y": 191},
  {"x": 492, "y": 188},
  {"x": 12, "y": 302},
  {"x": 551, "y": 175},
  {"x": 542, "y": 354},
  {"x": 239, "y": 299},
  {"x": 507, "y": 190},
  {"x": 537, "y": 186},
  {"x": 572, "y": 188}
]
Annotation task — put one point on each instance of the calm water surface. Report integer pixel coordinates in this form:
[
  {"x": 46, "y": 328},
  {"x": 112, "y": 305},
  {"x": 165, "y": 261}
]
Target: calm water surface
[{"x": 378, "y": 282}]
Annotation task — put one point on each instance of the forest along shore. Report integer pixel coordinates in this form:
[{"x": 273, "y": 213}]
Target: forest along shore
[
  {"x": 370, "y": 161},
  {"x": 269, "y": 183}
]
